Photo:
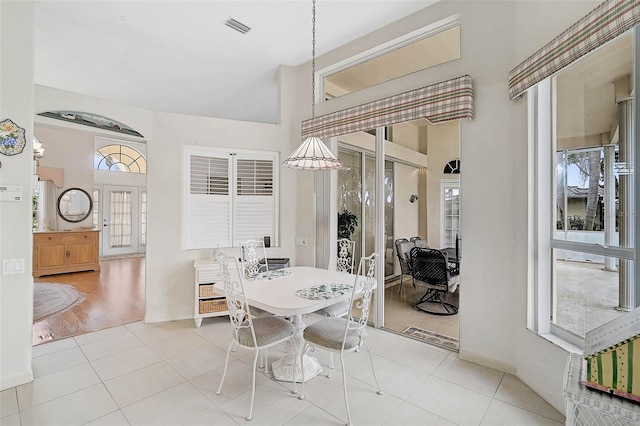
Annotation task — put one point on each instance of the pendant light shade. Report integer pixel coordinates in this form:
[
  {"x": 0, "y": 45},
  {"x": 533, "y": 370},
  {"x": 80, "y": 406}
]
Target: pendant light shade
[{"x": 313, "y": 154}]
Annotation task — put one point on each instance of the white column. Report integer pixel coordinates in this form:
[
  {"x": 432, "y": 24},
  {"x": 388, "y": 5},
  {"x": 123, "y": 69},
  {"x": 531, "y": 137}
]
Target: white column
[{"x": 609, "y": 205}]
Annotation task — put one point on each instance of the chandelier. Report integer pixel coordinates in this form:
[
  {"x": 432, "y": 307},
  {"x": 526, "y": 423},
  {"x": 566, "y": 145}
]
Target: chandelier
[{"x": 313, "y": 154}]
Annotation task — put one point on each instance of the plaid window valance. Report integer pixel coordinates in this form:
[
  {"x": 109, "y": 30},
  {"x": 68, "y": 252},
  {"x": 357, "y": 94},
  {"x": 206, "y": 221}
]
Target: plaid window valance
[
  {"x": 604, "y": 23},
  {"x": 444, "y": 101}
]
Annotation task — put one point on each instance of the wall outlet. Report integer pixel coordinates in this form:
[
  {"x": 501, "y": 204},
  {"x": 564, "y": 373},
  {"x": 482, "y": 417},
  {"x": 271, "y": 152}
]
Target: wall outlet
[{"x": 301, "y": 241}]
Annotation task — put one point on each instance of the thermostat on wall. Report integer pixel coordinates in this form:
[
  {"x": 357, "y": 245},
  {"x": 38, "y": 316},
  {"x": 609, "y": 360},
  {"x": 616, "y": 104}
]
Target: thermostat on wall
[{"x": 10, "y": 193}]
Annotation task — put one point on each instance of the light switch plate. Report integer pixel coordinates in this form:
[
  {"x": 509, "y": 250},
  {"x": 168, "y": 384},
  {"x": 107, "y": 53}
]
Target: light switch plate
[
  {"x": 12, "y": 266},
  {"x": 301, "y": 241}
]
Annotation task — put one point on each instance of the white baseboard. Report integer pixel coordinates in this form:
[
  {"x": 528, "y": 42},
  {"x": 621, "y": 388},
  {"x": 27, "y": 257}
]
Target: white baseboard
[
  {"x": 151, "y": 319},
  {"x": 487, "y": 362},
  {"x": 17, "y": 380}
]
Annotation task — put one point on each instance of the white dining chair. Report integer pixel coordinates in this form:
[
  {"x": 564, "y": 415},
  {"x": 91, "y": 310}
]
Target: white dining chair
[
  {"x": 347, "y": 334},
  {"x": 344, "y": 263},
  {"x": 253, "y": 257},
  {"x": 249, "y": 332},
  {"x": 346, "y": 252}
]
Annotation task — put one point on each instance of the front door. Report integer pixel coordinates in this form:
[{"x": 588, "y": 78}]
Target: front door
[{"x": 120, "y": 220}]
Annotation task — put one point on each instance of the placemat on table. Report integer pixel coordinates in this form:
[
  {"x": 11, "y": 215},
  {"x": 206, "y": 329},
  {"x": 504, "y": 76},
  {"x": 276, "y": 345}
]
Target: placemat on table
[
  {"x": 325, "y": 291},
  {"x": 270, "y": 275}
]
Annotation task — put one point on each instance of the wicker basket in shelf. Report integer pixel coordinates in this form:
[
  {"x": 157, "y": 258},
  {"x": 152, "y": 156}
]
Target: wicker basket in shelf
[
  {"x": 207, "y": 290},
  {"x": 213, "y": 305}
]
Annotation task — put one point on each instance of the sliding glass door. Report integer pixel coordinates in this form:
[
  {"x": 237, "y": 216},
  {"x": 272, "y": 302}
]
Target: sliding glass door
[{"x": 356, "y": 197}]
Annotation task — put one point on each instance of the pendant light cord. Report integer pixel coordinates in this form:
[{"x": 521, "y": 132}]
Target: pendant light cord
[{"x": 313, "y": 60}]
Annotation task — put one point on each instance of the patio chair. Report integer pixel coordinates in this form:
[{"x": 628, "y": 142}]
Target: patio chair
[
  {"x": 403, "y": 247},
  {"x": 249, "y": 332},
  {"x": 454, "y": 264},
  {"x": 430, "y": 267},
  {"x": 421, "y": 243},
  {"x": 346, "y": 334}
]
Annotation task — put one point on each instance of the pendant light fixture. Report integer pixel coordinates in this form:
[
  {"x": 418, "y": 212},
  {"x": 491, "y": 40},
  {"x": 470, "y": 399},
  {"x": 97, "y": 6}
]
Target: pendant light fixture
[{"x": 313, "y": 154}]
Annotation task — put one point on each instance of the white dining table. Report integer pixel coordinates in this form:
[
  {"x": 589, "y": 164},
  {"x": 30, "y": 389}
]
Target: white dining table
[{"x": 278, "y": 296}]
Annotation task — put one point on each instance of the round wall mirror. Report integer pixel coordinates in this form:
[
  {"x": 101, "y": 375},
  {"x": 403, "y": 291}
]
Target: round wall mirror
[{"x": 74, "y": 205}]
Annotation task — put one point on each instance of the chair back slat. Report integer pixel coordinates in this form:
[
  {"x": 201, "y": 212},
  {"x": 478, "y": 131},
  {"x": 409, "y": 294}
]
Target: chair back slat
[{"x": 346, "y": 250}]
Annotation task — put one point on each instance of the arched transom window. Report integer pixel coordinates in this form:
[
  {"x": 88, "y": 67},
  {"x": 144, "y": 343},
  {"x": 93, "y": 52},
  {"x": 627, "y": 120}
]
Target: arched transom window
[
  {"x": 119, "y": 158},
  {"x": 452, "y": 167}
]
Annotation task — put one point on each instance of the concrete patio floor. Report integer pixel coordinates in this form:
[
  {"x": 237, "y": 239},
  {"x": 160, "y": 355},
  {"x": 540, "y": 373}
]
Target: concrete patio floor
[{"x": 587, "y": 296}]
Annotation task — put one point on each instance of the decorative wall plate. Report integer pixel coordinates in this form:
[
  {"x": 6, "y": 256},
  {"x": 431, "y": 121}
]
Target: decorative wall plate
[{"x": 12, "y": 140}]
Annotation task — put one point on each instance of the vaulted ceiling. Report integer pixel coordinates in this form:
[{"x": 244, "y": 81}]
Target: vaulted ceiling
[{"x": 178, "y": 56}]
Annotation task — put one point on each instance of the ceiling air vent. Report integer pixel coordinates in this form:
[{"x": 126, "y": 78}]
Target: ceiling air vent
[{"x": 238, "y": 26}]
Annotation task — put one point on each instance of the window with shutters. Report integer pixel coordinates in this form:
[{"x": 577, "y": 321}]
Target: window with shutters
[{"x": 229, "y": 197}]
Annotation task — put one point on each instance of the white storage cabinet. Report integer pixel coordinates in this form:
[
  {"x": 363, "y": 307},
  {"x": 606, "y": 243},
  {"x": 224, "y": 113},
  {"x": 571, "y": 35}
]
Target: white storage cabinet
[{"x": 209, "y": 301}]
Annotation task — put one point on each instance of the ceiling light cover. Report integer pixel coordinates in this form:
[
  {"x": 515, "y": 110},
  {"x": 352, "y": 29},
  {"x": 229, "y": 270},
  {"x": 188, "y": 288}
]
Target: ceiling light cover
[
  {"x": 237, "y": 25},
  {"x": 313, "y": 154}
]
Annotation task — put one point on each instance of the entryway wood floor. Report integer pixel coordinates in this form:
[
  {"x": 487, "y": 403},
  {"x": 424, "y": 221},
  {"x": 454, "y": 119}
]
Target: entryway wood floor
[{"x": 114, "y": 296}]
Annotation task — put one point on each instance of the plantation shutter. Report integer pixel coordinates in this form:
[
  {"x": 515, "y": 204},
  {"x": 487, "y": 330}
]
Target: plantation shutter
[
  {"x": 254, "y": 206},
  {"x": 208, "y": 211}
]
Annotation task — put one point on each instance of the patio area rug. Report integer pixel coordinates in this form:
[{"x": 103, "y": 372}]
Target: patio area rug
[
  {"x": 53, "y": 298},
  {"x": 441, "y": 340}
]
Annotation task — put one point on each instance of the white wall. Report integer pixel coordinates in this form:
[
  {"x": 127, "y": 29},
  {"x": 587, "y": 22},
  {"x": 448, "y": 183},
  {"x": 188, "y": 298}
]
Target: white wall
[
  {"x": 16, "y": 103},
  {"x": 72, "y": 151},
  {"x": 406, "y": 214},
  {"x": 169, "y": 272},
  {"x": 407, "y": 134},
  {"x": 495, "y": 37}
]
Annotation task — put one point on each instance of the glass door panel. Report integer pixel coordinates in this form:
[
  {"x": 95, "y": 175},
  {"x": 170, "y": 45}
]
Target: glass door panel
[
  {"x": 120, "y": 220},
  {"x": 350, "y": 196},
  {"x": 451, "y": 216},
  {"x": 356, "y": 194},
  {"x": 388, "y": 217},
  {"x": 369, "y": 196}
]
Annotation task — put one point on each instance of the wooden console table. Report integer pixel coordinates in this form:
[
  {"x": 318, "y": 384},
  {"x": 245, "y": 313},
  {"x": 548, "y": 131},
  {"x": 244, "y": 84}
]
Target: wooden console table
[{"x": 65, "y": 251}]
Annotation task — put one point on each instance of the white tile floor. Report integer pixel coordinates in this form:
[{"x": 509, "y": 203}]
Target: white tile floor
[{"x": 167, "y": 374}]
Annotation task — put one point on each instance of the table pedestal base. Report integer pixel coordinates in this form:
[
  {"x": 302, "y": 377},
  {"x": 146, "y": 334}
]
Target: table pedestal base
[{"x": 283, "y": 369}]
